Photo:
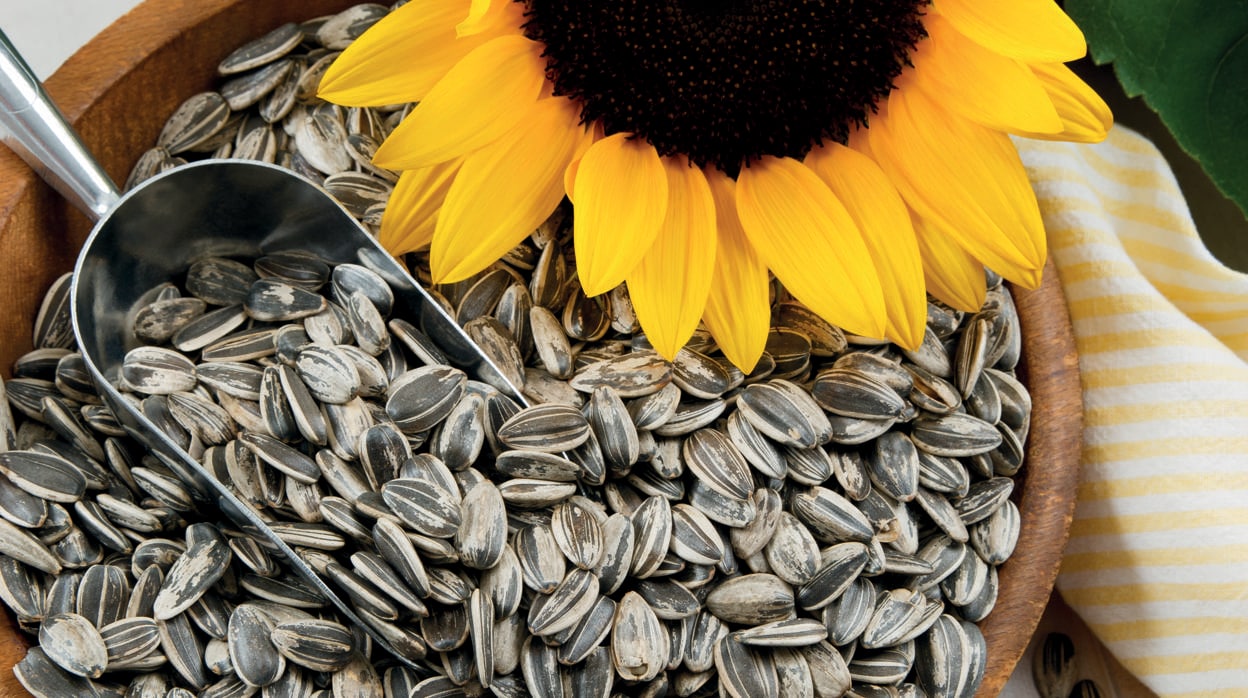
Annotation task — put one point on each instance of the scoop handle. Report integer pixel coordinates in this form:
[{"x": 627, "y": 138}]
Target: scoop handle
[{"x": 32, "y": 126}]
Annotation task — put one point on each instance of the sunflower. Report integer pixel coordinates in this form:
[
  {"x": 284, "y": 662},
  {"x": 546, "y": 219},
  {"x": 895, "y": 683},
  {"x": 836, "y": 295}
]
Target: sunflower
[{"x": 859, "y": 151}]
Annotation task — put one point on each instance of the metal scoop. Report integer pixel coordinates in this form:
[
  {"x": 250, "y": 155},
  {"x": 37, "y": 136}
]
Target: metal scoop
[{"x": 152, "y": 234}]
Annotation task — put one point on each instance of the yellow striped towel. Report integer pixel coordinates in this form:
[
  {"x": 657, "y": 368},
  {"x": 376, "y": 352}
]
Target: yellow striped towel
[{"x": 1158, "y": 557}]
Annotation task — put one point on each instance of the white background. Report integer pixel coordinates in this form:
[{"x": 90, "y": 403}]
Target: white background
[{"x": 47, "y": 32}]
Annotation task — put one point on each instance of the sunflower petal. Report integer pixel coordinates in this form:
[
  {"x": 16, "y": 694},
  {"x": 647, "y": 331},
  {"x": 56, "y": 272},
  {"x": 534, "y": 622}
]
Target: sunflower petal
[
  {"x": 481, "y": 15},
  {"x": 884, "y": 220},
  {"x": 981, "y": 85},
  {"x": 409, "y": 218},
  {"x": 1029, "y": 30},
  {"x": 738, "y": 313},
  {"x": 954, "y": 277},
  {"x": 1085, "y": 116},
  {"x": 621, "y": 199},
  {"x": 809, "y": 240},
  {"x": 670, "y": 284},
  {"x": 478, "y": 100},
  {"x": 569, "y": 175},
  {"x": 380, "y": 67},
  {"x": 504, "y": 191},
  {"x": 965, "y": 179}
]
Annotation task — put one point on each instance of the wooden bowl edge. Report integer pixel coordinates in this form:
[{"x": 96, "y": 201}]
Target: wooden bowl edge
[{"x": 1052, "y": 464}]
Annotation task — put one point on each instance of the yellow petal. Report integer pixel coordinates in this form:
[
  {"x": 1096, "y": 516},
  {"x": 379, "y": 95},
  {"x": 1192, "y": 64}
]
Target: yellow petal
[
  {"x": 504, "y": 191},
  {"x": 569, "y": 175},
  {"x": 481, "y": 15},
  {"x": 954, "y": 277},
  {"x": 477, "y": 101},
  {"x": 738, "y": 313},
  {"x": 884, "y": 221},
  {"x": 965, "y": 179},
  {"x": 409, "y": 218},
  {"x": 1085, "y": 116},
  {"x": 809, "y": 240},
  {"x": 400, "y": 58},
  {"x": 670, "y": 284},
  {"x": 1029, "y": 30},
  {"x": 981, "y": 85},
  {"x": 621, "y": 198}
]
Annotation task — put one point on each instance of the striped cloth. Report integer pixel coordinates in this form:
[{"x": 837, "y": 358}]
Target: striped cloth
[{"x": 1158, "y": 558}]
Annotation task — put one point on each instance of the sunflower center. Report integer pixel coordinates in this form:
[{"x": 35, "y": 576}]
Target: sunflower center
[{"x": 726, "y": 81}]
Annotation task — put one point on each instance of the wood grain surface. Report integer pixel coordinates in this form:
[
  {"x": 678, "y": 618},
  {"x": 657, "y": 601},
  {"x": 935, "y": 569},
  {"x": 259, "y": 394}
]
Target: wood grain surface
[
  {"x": 119, "y": 89},
  {"x": 1046, "y": 486}
]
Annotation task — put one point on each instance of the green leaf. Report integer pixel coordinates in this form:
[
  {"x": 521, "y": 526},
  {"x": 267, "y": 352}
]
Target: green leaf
[{"x": 1189, "y": 60}]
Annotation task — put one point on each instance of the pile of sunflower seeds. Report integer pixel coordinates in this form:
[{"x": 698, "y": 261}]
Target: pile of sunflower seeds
[{"x": 828, "y": 525}]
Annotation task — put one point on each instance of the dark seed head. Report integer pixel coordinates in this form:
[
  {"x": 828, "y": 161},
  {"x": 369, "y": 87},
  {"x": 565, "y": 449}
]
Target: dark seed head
[{"x": 726, "y": 82}]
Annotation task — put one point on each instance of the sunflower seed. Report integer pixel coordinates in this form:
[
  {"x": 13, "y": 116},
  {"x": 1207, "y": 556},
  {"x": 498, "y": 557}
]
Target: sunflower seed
[
  {"x": 639, "y": 645},
  {"x": 161, "y": 320},
  {"x": 184, "y": 650},
  {"x": 368, "y": 327},
  {"x": 751, "y": 599},
  {"x": 728, "y": 511},
  {"x": 398, "y": 550},
  {"x": 329, "y": 376},
  {"x": 1054, "y": 668},
  {"x": 74, "y": 644},
  {"x": 852, "y": 393},
  {"x": 245, "y": 90},
  {"x": 828, "y": 671},
  {"x": 565, "y": 605},
  {"x": 482, "y": 531},
  {"x": 942, "y": 665},
  {"x": 547, "y": 428},
  {"x": 668, "y": 600},
  {"x": 541, "y": 562},
  {"x": 831, "y": 517},
  {"x": 21, "y": 545},
  {"x": 578, "y": 533},
  {"x": 288, "y": 591},
  {"x": 157, "y": 371},
  {"x": 957, "y": 435},
  {"x": 792, "y": 553},
  {"x": 896, "y": 613},
  {"x": 423, "y": 397},
  {"x": 20, "y": 507},
  {"x": 351, "y": 278},
  {"x": 129, "y": 639},
  {"x": 255, "y": 658},
  {"x": 699, "y": 375},
  {"x": 197, "y": 120},
  {"x": 194, "y": 572},
  {"x": 21, "y": 590},
  {"x": 774, "y": 410},
  {"x": 282, "y": 457},
  {"x": 39, "y": 675},
  {"x": 631, "y": 375},
  {"x": 713, "y": 458},
  {"x": 270, "y": 300},
  {"x": 263, "y": 50},
  {"x": 694, "y": 537},
  {"x": 318, "y": 645},
  {"x": 53, "y": 327},
  {"x": 340, "y": 30},
  {"x": 983, "y": 498},
  {"x": 424, "y": 506}
]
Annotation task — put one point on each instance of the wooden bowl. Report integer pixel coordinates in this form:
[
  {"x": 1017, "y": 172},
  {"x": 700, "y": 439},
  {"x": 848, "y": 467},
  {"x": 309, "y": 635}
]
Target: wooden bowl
[{"x": 119, "y": 89}]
